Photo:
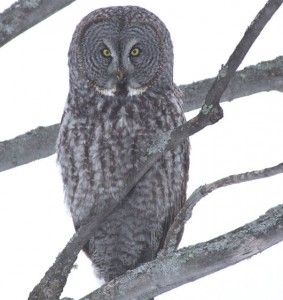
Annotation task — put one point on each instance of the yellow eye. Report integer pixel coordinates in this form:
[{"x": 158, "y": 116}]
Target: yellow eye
[
  {"x": 106, "y": 52},
  {"x": 135, "y": 52}
]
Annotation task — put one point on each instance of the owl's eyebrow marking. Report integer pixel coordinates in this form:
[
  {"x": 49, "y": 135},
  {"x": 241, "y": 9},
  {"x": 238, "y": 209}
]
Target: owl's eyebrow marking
[
  {"x": 108, "y": 44},
  {"x": 131, "y": 44}
]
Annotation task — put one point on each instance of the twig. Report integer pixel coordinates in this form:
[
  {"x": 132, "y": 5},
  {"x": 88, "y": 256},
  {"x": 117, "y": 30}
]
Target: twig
[
  {"x": 186, "y": 212},
  {"x": 194, "y": 262},
  {"x": 24, "y": 14},
  {"x": 210, "y": 113}
]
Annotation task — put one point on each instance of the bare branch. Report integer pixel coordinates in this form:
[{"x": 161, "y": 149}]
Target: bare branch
[
  {"x": 228, "y": 70},
  {"x": 52, "y": 284},
  {"x": 263, "y": 77},
  {"x": 35, "y": 144},
  {"x": 194, "y": 262},
  {"x": 24, "y": 14},
  {"x": 186, "y": 212}
]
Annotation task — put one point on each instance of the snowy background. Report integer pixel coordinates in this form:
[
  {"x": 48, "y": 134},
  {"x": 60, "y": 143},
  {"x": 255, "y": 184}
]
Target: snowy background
[{"x": 35, "y": 224}]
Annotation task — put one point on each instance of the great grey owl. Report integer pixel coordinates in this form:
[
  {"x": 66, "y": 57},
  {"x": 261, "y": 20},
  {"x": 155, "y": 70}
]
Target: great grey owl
[{"x": 121, "y": 99}]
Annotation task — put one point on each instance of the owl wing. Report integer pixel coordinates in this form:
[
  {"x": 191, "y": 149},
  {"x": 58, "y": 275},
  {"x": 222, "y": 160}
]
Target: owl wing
[{"x": 180, "y": 197}]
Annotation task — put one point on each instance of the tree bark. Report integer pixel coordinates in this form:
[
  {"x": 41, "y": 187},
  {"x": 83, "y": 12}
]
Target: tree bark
[
  {"x": 35, "y": 144},
  {"x": 194, "y": 262},
  {"x": 263, "y": 77},
  {"x": 24, "y": 14}
]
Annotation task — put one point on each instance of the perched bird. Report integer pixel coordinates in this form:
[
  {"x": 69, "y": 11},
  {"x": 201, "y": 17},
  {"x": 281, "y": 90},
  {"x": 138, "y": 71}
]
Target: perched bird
[{"x": 121, "y": 99}]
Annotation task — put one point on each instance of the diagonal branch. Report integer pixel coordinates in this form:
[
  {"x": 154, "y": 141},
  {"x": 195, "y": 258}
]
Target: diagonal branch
[
  {"x": 228, "y": 70},
  {"x": 186, "y": 212},
  {"x": 24, "y": 14},
  {"x": 40, "y": 142},
  {"x": 191, "y": 263},
  {"x": 52, "y": 284}
]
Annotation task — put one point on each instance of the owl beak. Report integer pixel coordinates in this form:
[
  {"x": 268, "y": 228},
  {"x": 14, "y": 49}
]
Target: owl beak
[
  {"x": 121, "y": 86},
  {"x": 121, "y": 76}
]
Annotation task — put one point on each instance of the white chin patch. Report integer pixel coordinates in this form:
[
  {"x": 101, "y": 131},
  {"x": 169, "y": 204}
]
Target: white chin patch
[
  {"x": 112, "y": 92},
  {"x": 134, "y": 92},
  {"x": 106, "y": 92}
]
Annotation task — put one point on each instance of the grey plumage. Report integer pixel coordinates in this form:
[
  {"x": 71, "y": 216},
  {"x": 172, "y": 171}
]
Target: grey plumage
[{"x": 121, "y": 99}]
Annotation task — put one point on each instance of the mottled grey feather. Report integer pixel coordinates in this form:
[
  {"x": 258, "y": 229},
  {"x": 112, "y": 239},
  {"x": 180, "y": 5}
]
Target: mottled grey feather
[{"x": 117, "y": 106}]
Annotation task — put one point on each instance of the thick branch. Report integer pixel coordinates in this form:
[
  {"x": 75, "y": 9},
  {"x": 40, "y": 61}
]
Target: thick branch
[
  {"x": 194, "y": 262},
  {"x": 24, "y": 14},
  {"x": 35, "y": 144},
  {"x": 40, "y": 142},
  {"x": 186, "y": 212},
  {"x": 263, "y": 77},
  {"x": 210, "y": 113}
]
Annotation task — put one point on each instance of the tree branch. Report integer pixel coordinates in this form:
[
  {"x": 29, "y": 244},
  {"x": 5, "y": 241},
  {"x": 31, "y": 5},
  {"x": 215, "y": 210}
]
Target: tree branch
[
  {"x": 52, "y": 284},
  {"x": 40, "y": 142},
  {"x": 24, "y": 14},
  {"x": 264, "y": 77},
  {"x": 35, "y": 144},
  {"x": 186, "y": 212},
  {"x": 228, "y": 70},
  {"x": 191, "y": 263}
]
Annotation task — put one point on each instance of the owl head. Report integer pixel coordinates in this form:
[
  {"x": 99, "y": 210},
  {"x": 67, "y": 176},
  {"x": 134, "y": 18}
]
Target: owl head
[{"x": 121, "y": 51}]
